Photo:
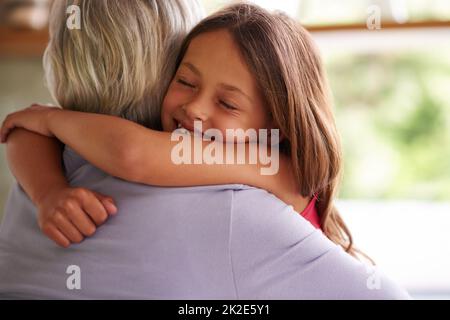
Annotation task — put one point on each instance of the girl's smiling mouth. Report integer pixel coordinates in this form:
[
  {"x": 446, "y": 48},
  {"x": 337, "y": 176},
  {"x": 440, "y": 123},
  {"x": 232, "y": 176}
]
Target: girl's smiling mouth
[{"x": 196, "y": 129}]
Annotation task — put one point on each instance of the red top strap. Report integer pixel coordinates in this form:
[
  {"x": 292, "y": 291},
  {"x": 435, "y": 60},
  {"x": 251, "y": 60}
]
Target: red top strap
[{"x": 310, "y": 213}]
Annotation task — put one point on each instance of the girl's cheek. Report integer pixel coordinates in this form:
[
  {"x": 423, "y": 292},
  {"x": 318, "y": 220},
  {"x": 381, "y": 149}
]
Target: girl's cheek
[
  {"x": 224, "y": 123},
  {"x": 177, "y": 98}
]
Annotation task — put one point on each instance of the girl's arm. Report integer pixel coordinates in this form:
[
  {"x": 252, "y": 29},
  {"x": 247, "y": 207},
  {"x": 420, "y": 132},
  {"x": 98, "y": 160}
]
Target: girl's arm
[
  {"x": 64, "y": 213},
  {"x": 132, "y": 152},
  {"x": 35, "y": 162}
]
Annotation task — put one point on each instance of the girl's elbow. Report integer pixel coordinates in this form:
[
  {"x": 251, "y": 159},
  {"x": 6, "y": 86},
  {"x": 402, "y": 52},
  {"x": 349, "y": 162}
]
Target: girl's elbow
[{"x": 127, "y": 165}]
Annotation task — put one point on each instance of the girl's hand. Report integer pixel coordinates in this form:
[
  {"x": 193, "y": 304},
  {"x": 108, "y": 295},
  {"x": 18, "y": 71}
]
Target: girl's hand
[
  {"x": 33, "y": 118},
  {"x": 68, "y": 215}
]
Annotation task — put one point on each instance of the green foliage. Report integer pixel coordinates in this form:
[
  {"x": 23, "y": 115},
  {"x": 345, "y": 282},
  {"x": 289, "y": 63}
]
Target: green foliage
[{"x": 393, "y": 112}]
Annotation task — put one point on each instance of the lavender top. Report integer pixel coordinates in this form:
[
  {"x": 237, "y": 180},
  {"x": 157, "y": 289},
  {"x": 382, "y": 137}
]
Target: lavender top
[{"x": 215, "y": 242}]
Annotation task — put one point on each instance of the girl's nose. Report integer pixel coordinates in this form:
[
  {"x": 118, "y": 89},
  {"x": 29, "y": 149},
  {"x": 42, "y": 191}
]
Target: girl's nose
[{"x": 195, "y": 112}]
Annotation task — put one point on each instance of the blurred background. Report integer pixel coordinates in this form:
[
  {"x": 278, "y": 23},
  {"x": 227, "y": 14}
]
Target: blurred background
[{"x": 388, "y": 64}]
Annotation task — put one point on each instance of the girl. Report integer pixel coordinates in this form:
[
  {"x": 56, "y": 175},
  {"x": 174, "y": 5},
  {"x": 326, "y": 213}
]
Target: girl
[{"x": 239, "y": 68}]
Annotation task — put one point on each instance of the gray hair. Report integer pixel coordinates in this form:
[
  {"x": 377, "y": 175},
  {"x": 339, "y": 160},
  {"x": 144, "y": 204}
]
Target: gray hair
[{"x": 122, "y": 59}]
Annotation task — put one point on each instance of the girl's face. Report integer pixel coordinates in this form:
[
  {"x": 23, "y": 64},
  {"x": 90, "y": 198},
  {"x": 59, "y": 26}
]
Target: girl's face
[{"x": 214, "y": 85}]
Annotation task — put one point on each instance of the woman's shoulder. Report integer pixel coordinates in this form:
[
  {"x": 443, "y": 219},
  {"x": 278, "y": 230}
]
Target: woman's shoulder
[
  {"x": 269, "y": 239},
  {"x": 257, "y": 214}
]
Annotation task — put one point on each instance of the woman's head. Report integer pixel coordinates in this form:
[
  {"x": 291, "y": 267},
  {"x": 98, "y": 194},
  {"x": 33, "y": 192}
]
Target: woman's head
[
  {"x": 272, "y": 59},
  {"x": 122, "y": 59}
]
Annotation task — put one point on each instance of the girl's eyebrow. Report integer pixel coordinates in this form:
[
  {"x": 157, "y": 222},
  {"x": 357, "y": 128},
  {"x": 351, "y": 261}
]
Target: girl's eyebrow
[
  {"x": 191, "y": 67},
  {"x": 225, "y": 86},
  {"x": 235, "y": 89}
]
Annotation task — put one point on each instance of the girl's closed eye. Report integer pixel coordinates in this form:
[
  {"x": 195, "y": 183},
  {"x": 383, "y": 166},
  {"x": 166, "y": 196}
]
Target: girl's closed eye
[
  {"x": 227, "y": 105},
  {"x": 185, "y": 83}
]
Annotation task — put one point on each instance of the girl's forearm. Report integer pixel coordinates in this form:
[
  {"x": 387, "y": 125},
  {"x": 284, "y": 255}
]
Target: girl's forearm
[
  {"x": 105, "y": 141},
  {"x": 132, "y": 152},
  {"x": 35, "y": 162}
]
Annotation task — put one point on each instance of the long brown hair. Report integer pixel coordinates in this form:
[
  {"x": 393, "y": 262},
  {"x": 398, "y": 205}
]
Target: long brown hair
[{"x": 281, "y": 55}]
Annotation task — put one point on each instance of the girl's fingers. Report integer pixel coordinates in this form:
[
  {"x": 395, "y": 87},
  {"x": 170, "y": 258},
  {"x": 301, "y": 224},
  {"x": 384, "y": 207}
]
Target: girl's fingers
[
  {"x": 7, "y": 126},
  {"x": 4, "y": 131},
  {"x": 94, "y": 207},
  {"x": 57, "y": 236},
  {"x": 4, "y": 135},
  {"x": 107, "y": 202},
  {"x": 81, "y": 221},
  {"x": 67, "y": 228}
]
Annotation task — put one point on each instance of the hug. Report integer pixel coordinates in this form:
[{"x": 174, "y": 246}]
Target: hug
[{"x": 97, "y": 187}]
